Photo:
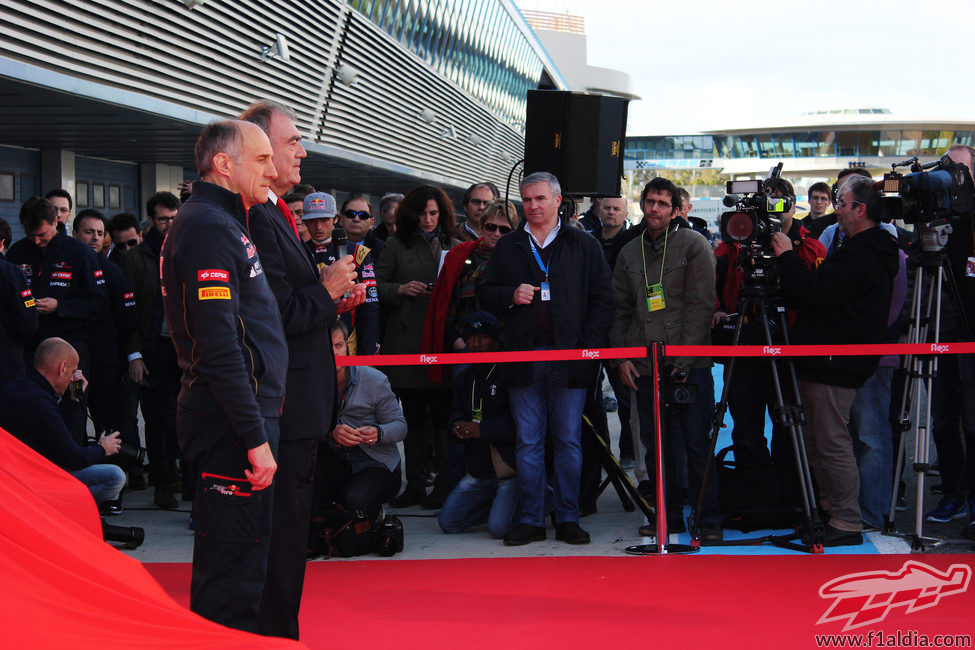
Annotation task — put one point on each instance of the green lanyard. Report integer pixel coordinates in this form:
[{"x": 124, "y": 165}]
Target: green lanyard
[
  {"x": 477, "y": 412},
  {"x": 655, "y": 292}
]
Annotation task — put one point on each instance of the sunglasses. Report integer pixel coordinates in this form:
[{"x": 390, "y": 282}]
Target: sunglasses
[
  {"x": 361, "y": 215},
  {"x": 493, "y": 227},
  {"x": 132, "y": 243}
]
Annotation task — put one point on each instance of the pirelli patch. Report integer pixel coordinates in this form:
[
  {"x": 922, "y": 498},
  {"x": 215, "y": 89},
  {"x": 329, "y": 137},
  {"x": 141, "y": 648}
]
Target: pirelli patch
[{"x": 214, "y": 293}]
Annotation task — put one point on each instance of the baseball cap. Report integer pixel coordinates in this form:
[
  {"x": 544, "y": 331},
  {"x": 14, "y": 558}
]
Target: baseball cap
[
  {"x": 481, "y": 322},
  {"x": 319, "y": 205}
]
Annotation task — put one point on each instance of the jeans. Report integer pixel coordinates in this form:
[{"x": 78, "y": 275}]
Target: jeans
[
  {"x": 105, "y": 481},
  {"x": 873, "y": 445},
  {"x": 548, "y": 405},
  {"x": 695, "y": 422},
  {"x": 474, "y": 501},
  {"x": 953, "y": 423}
]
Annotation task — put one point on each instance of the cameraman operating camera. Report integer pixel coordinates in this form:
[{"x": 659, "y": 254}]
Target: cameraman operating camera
[
  {"x": 751, "y": 391},
  {"x": 845, "y": 300}
]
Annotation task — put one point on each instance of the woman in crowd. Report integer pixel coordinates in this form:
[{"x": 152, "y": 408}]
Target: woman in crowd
[
  {"x": 405, "y": 274},
  {"x": 453, "y": 296}
]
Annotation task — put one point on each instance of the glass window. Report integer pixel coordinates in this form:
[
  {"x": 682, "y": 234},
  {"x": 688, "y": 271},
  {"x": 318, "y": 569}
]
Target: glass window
[
  {"x": 909, "y": 143},
  {"x": 887, "y": 142},
  {"x": 98, "y": 195},
  {"x": 6, "y": 187},
  {"x": 867, "y": 143},
  {"x": 81, "y": 194},
  {"x": 114, "y": 197},
  {"x": 846, "y": 143}
]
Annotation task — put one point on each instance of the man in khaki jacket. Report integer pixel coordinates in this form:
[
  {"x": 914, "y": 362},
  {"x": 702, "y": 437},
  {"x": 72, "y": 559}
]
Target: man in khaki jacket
[{"x": 664, "y": 286}]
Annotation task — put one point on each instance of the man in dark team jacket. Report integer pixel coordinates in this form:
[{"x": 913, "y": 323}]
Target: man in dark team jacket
[
  {"x": 65, "y": 278},
  {"x": 845, "y": 300},
  {"x": 306, "y": 300},
  {"x": 18, "y": 313},
  {"x": 551, "y": 285},
  {"x": 226, "y": 327}
]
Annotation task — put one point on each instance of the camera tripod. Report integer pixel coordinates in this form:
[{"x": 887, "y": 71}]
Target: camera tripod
[
  {"x": 920, "y": 369},
  {"x": 760, "y": 301},
  {"x": 626, "y": 489}
]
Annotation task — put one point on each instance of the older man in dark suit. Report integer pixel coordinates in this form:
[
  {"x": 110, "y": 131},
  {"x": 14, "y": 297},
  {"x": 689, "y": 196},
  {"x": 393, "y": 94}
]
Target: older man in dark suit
[{"x": 307, "y": 299}]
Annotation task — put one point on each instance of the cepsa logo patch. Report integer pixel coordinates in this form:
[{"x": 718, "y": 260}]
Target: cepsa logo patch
[
  {"x": 61, "y": 275},
  {"x": 212, "y": 275},
  {"x": 214, "y": 293}
]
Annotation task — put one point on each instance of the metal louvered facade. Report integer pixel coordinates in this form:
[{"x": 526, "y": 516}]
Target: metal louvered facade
[{"x": 134, "y": 80}]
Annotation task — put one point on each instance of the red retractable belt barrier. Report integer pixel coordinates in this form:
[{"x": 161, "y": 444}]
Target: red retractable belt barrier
[{"x": 672, "y": 351}]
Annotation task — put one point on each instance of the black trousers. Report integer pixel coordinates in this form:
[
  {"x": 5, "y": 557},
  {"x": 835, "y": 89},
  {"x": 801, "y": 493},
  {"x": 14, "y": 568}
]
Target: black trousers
[
  {"x": 159, "y": 408},
  {"x": 293, "y": 488},
  {"x": 364, "y": 491},
  {"x": 232, "y": 535}
]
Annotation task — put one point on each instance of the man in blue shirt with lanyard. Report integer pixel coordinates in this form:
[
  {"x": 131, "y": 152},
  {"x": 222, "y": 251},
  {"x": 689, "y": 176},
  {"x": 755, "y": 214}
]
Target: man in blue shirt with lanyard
[{"x": 551, "y": 286}]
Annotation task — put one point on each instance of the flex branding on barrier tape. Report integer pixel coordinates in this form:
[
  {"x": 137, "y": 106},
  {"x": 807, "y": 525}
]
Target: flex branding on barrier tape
[{"x": 588, "y": 354}]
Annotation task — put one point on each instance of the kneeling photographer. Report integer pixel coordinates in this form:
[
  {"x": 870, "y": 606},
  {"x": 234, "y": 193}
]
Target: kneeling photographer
[
  {"x": 844, "y": 301},
  {"x": 663, "y": 284},
  {"x": 359, "y": 463}
]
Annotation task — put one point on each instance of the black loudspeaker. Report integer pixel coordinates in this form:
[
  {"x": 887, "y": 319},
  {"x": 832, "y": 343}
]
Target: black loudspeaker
[{"x": 579, "y": 138}]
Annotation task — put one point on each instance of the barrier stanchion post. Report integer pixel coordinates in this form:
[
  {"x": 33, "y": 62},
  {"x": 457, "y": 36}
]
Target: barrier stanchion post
[{"x": 655, "y": 352}]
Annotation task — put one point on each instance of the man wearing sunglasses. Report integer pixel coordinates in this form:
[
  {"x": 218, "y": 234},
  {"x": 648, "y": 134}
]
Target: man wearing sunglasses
[
  {"x": 476, "y": 198},
  {"x": 846, "y": 300},
  {"x": 123, "y": 232}
]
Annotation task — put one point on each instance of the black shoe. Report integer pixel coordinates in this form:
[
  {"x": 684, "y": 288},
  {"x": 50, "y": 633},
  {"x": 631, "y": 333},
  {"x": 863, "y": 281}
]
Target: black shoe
[
  {"x": 646, "y": 490},
  {"x": 524, "y": 534},
  {"x": 673, "y": 526},
  {"x": 433, "y": 501},
  {"x": 412, "y": 495},
  {"x": 164, "y": 498},
  {"x": 836, "y": 537},
  {"x": 111, "y": 507},
  {"x": 968, "y": 532},
  {"x": 586, "y": 509},
  {"x": 571, "y": 533},
  {"x": 711, "y": 533},
  {"x": 137, "y": 480}
]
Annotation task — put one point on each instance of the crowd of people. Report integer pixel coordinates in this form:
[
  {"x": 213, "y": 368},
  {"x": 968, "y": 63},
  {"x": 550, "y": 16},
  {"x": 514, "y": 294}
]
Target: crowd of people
[{"x": 222, "y": 315}]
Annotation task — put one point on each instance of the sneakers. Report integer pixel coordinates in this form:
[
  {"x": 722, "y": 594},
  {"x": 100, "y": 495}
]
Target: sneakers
[
  {"x": 524, "y": 534},
  {"x": 569, "y": 532},
  {"x": 164, "y": 498},
  {"x": 949, "y": 508},
  {"x": 411, "y": 496},
  {"x": 111, "y": 507}
]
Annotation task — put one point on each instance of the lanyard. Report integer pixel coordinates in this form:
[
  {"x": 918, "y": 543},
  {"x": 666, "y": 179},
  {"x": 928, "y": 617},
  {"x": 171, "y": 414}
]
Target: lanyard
[
  {"x": 663, "y": 260},
  {"x": 476, "y": 412},
  {"x": 538, "y": 258}
]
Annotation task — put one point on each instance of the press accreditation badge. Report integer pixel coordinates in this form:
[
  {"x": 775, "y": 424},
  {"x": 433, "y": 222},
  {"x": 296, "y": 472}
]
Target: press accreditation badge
[
  {"x": 546, "y": 292},
  {"x": 655, "y": 297},
  {"x": 970, "y": 268},
  {"x": 476, "y": 416}
]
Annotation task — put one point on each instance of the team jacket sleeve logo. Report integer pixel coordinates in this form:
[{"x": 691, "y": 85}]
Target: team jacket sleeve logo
[{"x": 214, "y": 293}]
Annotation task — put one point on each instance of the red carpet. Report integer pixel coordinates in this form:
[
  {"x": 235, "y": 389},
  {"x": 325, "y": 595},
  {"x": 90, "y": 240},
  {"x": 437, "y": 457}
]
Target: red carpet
[{"x": 600, "y": 602}]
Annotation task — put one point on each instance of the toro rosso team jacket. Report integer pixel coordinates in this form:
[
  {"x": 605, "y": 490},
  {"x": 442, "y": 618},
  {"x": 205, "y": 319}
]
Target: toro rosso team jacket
[{"x": 222, "y": 316}]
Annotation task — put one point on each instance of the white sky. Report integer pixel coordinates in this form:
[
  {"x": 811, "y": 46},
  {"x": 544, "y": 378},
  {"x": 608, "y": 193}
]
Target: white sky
[{"x": 708, "y": 64}]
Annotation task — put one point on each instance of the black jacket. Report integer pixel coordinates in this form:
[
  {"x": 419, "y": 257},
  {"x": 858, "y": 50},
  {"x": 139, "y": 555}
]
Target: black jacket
[
  {"x": 18, "y": 320},
  {"x": 477, "y": 387},
  {"x": 222, "y": 316},
  {"x": 114, "y": 329},
  {"x": 70, "y": 272},
  {"x": 845, "y": 301},
  {"x": 141, "y": 265},
  {"x": 307, "y": 313},
  {"x": 29, "y": 410},
  {"x": 582, "y": 299}
]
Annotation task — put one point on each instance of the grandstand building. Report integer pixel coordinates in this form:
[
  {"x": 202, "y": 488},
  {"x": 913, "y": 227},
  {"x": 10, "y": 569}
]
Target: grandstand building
[{"x": 106, "y": 99}]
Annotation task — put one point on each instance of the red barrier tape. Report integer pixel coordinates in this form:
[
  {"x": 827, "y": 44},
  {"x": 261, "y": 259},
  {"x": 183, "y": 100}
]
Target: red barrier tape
[{"x": 670, "y": 351}]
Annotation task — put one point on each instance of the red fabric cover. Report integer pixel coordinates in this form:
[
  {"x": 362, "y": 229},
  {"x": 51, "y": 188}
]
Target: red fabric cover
[
  {"x": 443, "y": 291},
  {"x": 63, "y": 587}
]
